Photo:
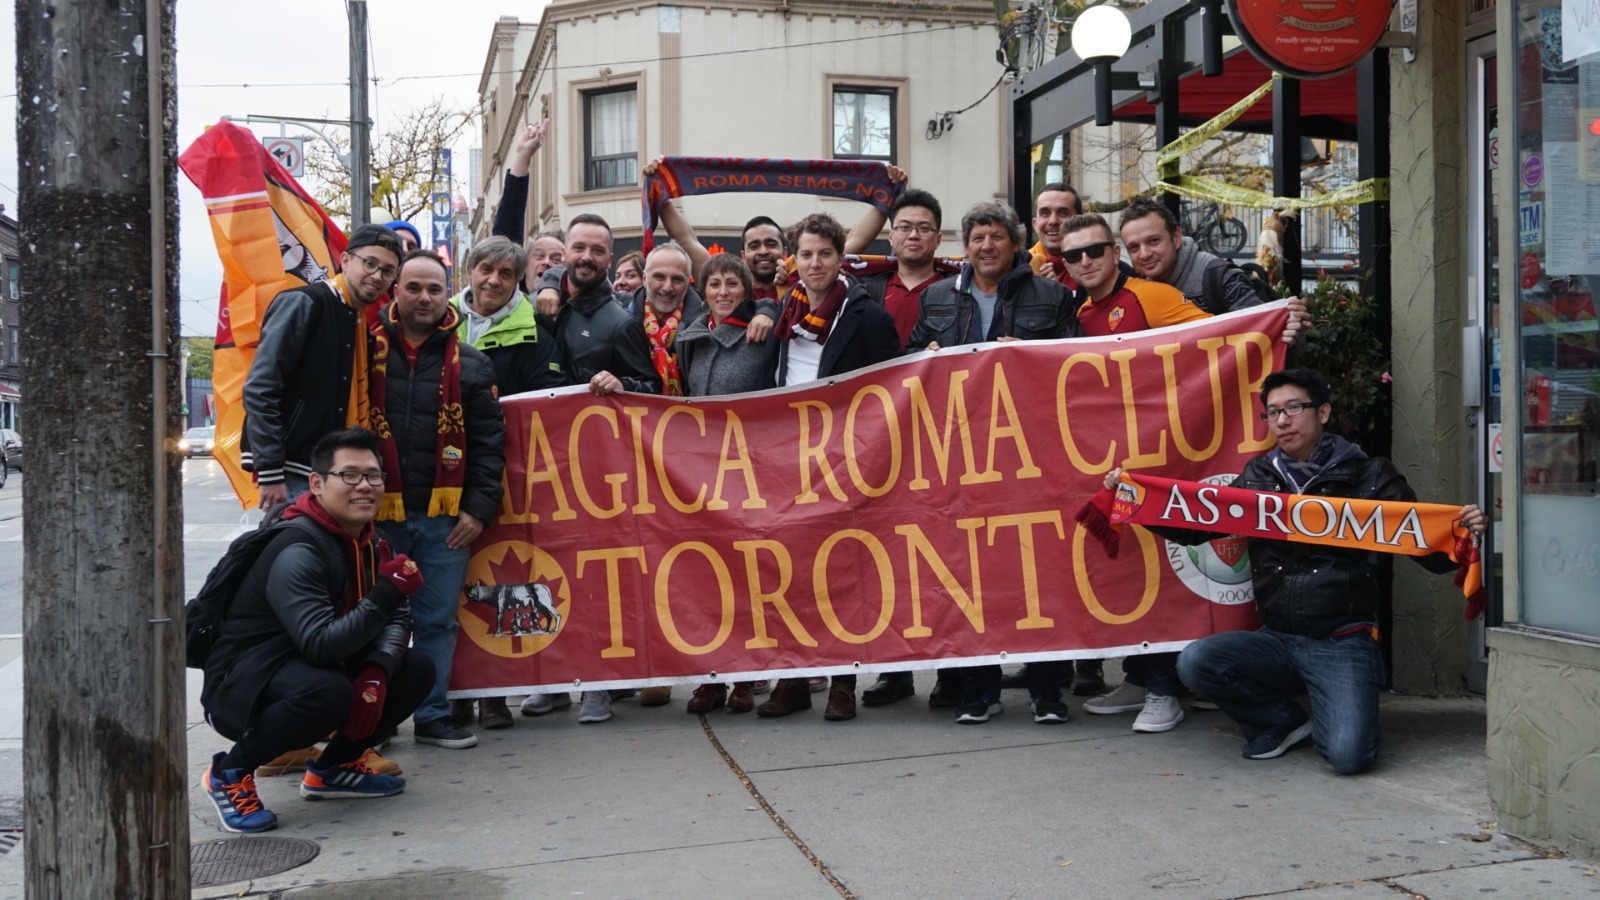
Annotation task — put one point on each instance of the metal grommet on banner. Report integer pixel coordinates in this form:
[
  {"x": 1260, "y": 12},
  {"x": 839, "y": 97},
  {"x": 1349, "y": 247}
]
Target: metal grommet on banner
[
  {"x": 712, "y": 675},
  {"x": 856, "y": 665},
  {"x": 1144, "y": 645},
  {"x": 1004, "y": 655}
]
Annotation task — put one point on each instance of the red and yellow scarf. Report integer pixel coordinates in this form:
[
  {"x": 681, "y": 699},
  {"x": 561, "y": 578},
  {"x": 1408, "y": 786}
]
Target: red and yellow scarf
[
  {"x": 357, "y": 410},
  {"x": 800, "y": 320},
  {"x": 661, "y": 333},
  {"x": 449, "y": 469},
  {"x": 1383, "y": 526}
]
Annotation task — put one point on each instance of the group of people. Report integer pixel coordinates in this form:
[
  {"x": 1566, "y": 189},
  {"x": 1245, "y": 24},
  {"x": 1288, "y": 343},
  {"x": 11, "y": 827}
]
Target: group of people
[{"x": 378, "y": 454}]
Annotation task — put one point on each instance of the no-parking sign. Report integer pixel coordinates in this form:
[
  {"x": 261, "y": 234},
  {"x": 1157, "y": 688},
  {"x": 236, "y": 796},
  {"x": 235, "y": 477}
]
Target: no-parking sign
[{"x": 290, "y": 152}]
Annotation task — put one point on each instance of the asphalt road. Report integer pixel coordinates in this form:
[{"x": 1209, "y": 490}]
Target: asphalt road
[{"x": 211, "y": 517}]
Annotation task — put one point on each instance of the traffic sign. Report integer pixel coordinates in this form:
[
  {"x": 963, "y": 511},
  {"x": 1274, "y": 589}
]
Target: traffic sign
[{"x": 290, "y": 152}]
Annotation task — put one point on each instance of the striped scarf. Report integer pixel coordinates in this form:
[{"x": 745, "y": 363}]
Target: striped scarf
[
  {"x": 357, "y": 409},
  {"x": 449, "y": 471},
  {"x": 800, "y": 320}
]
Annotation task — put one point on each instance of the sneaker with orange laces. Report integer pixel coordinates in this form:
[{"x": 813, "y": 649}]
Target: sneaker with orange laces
[
  {"x": 353, "y": 780},
  {"x": 233, "y": 792}
]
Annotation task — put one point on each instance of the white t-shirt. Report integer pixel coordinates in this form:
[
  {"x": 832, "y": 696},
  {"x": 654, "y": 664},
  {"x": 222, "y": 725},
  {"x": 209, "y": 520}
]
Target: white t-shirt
[{"x": 804, "y": 358}]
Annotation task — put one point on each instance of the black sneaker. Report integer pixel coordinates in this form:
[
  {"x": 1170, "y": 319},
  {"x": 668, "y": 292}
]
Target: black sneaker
[
  {"x": 1271, "y": 744},
  {"x": 444, "y": 733},
  {"x": 1049, "y": 712},
  {"x": 1088, "y": 679},
  {"x": 979, "y": 712}
]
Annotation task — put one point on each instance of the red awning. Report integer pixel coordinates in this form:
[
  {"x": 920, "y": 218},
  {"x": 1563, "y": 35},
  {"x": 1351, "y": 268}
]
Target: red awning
[
  {"x": 1327, "y": 105},
  {"x": 8, "y": 392}
]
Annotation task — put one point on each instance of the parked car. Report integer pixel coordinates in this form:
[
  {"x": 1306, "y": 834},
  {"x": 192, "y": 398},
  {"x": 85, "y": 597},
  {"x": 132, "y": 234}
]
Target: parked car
[
  {"x": 198, "y": 441},
  {"x": 12, "y": 444}
]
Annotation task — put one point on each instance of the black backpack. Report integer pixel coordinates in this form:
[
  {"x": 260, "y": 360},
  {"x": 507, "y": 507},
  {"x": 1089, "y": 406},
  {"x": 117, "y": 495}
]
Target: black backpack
[
  {"x": 1212, "y": 299},
  {"x": 203, "y": 614}
]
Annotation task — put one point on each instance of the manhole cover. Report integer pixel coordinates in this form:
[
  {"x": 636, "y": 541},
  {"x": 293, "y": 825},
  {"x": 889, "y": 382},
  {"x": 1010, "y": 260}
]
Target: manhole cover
[{"x": 224, "y": 862}]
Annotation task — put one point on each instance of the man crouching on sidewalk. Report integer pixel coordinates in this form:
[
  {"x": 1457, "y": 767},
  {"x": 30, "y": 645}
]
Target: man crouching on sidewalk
[{"x": 315, "y": 642}]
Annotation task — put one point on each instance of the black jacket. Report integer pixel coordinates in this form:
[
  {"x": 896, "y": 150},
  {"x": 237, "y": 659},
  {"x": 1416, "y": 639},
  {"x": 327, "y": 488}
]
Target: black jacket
[
  {"x": 298, "y": 388},
  {"x": 1310, "y": 589},
  {"x": 1030, "y": 307},
  {"x": 863, "y": 334},
  {"x": 291, "y": 605},
  {"x": 411, "y": 407},
  {"x": 596, "y": 334}
]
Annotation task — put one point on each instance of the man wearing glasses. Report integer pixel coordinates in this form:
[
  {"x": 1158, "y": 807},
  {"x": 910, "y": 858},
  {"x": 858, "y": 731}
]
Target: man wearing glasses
[
  {"x": 914, "y": 223},
  {"x": 310, "y": 373},
  {"x": 1319, "y": 604},
  {"x": 315, "y": 641}
]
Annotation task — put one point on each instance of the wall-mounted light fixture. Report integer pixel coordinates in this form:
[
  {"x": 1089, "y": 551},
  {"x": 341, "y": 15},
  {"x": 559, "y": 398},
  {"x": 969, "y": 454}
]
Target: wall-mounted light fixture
[{"x": 1100, "y": 37}]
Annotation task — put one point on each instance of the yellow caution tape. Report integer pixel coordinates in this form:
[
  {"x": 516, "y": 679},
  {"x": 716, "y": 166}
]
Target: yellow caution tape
[{"x": 1214, "y": 191}]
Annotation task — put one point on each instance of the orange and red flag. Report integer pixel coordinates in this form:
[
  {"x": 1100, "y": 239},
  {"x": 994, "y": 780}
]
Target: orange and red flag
[{"x": 272, "y": 237}]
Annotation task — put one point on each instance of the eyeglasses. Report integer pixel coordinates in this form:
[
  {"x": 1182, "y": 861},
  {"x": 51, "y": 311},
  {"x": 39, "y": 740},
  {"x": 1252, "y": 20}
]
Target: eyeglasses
[
  {"x": 1094, "y": 251},
  {"x": 908, "y": 228},
  {"x": 1292, "y": 409},
  {"x": 353, "y": 478},
  {"x": 374, "y": 267}
]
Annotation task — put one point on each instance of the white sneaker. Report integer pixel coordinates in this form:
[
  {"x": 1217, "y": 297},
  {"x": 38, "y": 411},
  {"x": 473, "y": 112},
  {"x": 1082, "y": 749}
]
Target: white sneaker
[
  {"x": 596, "y": 707},
  {"x": 1160, "y": 713},
  {"x": 1126, "y": 698},
  {"x": 539, "y": 704}
]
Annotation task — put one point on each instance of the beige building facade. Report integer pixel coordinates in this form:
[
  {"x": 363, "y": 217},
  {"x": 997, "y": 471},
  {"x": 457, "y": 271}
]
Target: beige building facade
[{"x": 624, "y": 81}]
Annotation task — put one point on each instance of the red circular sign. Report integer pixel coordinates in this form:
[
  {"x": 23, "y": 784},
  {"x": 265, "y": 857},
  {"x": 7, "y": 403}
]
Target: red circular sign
[
  {"x": 1310, "y": 38},
  {"x": 1530, "y": 273}
]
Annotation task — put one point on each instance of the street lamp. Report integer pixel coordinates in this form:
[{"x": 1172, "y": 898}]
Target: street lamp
[{"x": 1100, "y": 37}]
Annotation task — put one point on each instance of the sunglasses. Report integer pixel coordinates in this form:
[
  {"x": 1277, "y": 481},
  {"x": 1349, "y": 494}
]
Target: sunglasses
[{"x": 1094, "y": 251}]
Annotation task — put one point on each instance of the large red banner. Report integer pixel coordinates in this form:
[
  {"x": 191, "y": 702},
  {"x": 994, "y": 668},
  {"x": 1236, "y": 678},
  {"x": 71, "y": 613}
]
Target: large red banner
[{"x": 914, "y": 514}]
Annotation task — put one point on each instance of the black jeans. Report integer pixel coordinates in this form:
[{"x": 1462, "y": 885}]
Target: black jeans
[{"x": 303, "y": 704}]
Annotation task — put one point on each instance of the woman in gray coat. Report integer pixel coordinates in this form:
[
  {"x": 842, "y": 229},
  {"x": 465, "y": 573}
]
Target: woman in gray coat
[{"x": 715, "y": 358}]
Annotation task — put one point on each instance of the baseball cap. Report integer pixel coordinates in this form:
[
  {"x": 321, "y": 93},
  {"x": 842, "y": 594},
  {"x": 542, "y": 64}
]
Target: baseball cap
[{"x": 370, "y": 235}]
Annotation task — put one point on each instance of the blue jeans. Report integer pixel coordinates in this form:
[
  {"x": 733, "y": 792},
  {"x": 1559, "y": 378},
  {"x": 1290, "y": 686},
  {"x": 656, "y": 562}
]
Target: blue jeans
[
  {"x": 1252, "y": 675},
  {"x": 1155, "y": 672},
  {"x": 434, "y": 606},
  {"x": 295, "y": 485}
]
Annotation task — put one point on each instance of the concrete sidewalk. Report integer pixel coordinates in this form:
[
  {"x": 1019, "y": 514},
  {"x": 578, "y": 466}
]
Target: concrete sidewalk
[{"x": 902, "y": 802}]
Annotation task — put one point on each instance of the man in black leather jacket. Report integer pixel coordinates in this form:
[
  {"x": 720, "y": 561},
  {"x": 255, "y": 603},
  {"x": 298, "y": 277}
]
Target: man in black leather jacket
[
  {"x": 995, "y": 297},
  {"x": 315, "y": 641},
  {"x": 602, "y": 344},
  {"x": 1319, "y": 604}
]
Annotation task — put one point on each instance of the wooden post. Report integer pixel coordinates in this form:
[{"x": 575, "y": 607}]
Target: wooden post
[{"x": 104, "y": 751}]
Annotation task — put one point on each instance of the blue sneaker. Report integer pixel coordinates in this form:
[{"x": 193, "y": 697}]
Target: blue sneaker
[
  {"x": 353, "y": 780},
  {"x": 233, "y": 792}
]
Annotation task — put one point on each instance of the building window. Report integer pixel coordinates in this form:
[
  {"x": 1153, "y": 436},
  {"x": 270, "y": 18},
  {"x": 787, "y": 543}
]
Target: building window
[
  {"x": 611, "y": 138},
  {"x": 1557, "y": 392},
  {"x": 864, "y": 123},
  {"x": 16, "y": 345},
  {"x": 11, "y": 281}
]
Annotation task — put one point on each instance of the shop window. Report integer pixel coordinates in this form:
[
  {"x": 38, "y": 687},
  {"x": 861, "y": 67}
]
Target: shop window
[
  {"x": 610, "y": 138},
  {"x": 864, "y": 123},
  {"x": 1555, "y": 151}
]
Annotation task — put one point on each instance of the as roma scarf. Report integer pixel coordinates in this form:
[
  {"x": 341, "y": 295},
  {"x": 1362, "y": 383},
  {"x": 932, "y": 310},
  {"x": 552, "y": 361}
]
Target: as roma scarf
[
  {"x": 449, "y": 445},
  {"x": 1383, "y": 526},
  {"x": 800, "y": 320},
  {"x": 689, "y": 176},
  {"x": 661, "y": 334},
  {"x": 867, "y": 266}
]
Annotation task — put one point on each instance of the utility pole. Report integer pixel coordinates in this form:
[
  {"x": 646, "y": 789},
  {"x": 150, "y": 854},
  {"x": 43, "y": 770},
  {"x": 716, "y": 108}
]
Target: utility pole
[
  {"x": 104, "y": 749},
  {"x": 360, "y": 126}
]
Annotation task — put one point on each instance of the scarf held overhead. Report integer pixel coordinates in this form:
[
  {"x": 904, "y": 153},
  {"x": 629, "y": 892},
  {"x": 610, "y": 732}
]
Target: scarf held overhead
[
  {"x": 690, "y": 176},
  {"x": 1383, "y": 526},
  {"x": 450, "y": 441}
]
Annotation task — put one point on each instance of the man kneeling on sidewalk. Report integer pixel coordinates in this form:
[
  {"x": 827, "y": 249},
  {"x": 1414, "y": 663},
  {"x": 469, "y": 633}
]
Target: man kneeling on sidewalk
[{"x": 315, "y": 641}]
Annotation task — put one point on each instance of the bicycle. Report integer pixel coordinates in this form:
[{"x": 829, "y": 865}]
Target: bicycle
[{"x": 1216, "y": 233}]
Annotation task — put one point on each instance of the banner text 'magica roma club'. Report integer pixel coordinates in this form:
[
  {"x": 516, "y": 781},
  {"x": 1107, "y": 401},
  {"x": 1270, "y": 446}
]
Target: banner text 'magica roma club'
[{"x": 913, "y": 514}]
